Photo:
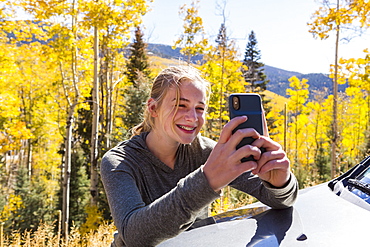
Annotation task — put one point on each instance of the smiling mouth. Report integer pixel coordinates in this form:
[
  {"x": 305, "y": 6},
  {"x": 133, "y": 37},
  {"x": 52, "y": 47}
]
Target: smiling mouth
[{"x": 186, "y": 128}]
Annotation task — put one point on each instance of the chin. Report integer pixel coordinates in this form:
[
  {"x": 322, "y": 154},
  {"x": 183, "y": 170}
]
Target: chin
[{"x": 187, "y": 140}]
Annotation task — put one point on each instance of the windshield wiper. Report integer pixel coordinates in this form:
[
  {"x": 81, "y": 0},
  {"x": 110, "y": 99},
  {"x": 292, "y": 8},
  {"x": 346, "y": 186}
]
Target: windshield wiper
[{"x": 358, "y": 184}]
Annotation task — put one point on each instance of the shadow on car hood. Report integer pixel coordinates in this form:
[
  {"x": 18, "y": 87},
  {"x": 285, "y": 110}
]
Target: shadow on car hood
[
  {"x": 259, "y": 226},
  {"x": 319, "y": 218}
]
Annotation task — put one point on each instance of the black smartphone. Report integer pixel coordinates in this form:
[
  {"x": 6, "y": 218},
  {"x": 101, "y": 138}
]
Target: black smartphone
[{"x": 250, "y": 105}]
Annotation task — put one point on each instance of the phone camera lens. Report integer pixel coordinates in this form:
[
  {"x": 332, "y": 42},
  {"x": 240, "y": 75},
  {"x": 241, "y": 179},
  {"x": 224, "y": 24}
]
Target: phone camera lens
[{"x": 236, "y": 104}]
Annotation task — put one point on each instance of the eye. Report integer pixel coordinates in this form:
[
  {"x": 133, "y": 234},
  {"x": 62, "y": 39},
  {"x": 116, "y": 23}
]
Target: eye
[{"x": 200, "y": 108}]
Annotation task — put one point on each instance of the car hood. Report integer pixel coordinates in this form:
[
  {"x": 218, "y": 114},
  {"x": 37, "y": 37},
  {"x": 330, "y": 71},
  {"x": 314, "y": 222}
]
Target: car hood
[{"x": 318, "y": 218}]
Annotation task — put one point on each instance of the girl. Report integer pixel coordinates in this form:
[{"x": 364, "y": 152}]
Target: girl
[{"x": 163, "y": 179}]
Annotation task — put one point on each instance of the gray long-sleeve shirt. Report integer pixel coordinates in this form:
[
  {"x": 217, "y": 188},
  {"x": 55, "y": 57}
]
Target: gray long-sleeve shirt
[{"x": 150, "y": 202}]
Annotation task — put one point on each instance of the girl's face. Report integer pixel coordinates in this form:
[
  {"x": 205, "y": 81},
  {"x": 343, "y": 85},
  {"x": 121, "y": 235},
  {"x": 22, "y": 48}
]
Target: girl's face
[{"x": 184, "y": 125}]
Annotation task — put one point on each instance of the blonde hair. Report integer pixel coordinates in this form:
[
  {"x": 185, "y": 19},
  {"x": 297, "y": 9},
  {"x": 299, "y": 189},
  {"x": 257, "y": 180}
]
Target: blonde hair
[{"x": 170, "y": 77}]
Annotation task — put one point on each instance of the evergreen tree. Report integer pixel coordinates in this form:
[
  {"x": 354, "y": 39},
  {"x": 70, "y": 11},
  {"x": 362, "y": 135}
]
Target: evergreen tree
[
  {"x": 138, "y": 76},
  {"x": 80, "y": 191},
  {"x": 80, "y": 169},
  {"x": 221, "y": 68},
  {"x": 221, "y": 39},
  {"x": 35, "y": 206},
  {"x": 254, "y": 76},
  {"x": 138, "y": 64}
]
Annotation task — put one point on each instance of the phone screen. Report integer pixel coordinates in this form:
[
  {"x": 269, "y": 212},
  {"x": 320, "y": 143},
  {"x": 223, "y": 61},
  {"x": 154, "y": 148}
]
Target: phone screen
[{"x": 250, "y": 105}]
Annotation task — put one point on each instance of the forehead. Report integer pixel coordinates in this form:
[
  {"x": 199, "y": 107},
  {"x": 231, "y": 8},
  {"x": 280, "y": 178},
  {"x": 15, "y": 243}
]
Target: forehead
[{"x": 193, "y": 88}]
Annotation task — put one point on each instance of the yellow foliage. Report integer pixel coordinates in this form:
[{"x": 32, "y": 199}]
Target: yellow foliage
[
  {"x": 39, "y": 83},
  {"x": 298, "y": 94},
  {"x": 93, "y": 220},
  {"x": 220, "y": 205},
  {"x": 277, "y": 100},
  {"x": 45, "y": 235},
  {"x": 192, "y": 41},
  {"x": 344, "y": 14},
  {"x": 13, "y": 204}
]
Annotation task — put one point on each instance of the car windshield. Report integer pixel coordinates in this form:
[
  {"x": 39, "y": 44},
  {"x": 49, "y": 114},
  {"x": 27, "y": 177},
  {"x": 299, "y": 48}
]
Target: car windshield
[
  {"x": 354, "y": 185},
  {"x": 360, "y": 186}
]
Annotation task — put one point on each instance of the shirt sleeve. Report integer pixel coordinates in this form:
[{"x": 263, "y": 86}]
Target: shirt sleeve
[
  {"x": 148, "y": 225},
  {"x": 274, "y": 197}
]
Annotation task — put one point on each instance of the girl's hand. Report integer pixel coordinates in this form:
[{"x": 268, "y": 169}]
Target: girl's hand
[
  {"x": 273, "y": 165},
  {"x": 224, "y": 163}
]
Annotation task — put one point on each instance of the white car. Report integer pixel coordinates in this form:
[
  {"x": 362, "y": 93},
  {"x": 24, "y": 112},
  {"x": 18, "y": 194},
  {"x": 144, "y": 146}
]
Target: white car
[{"x": 336, "y": 213}]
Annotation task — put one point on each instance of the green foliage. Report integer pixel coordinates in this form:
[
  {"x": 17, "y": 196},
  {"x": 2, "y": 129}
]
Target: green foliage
[
  {"x": 80, "y": 179},
  {"x": 322, "y": 162},
  {"x": 29, "y": 205},
  {"x": 80, "y": 192},
  {"x": 139, "y": 79},
  {"x": 138, "y": 63},
  {"x": 254, "y": 76},
  {"x": 40, "y": 83},
  {"x": 222, "y": 69},
  {"x": 136, "y": 97}
]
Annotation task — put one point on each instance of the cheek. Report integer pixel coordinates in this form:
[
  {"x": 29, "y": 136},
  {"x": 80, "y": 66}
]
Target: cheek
[
  {"x": 201, "y": 118},
  {"x": 168, "y": 114}
]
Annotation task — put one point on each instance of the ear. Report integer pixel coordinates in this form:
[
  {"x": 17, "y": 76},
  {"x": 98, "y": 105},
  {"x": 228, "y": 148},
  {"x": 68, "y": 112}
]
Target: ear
[{"x": 152, "y": 107}]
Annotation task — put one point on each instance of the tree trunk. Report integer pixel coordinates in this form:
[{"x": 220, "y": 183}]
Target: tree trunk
[
  {"x": 335, "y": 106},
  {"x": 109, "y": 112},
  {"x": 29, "y": 158},
  {"x": 95, "y": 124},
  {"x": 69, "y": 128},
  {"x": 67, "y": 173}
]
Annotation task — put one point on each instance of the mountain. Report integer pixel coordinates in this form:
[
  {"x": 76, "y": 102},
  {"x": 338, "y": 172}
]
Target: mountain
[
  {"x": 316, "y": 81},
  {"x": 278, "y": 77},
  {"x": 166, "y": 51}
]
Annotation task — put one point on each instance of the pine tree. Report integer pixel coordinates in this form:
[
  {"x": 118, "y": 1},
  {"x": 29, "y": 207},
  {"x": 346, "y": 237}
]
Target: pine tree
[
  {"x": 254, "y": 76},
  {"x": 138, "y": 76},
  {"x": 138, "y": 64}
]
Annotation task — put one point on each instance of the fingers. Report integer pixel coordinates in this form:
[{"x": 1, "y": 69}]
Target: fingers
[
  {"x": 266, "y": 143},
  {"x": 244, "y": 167},
  {"x": 227, "y": 130},
  {"x": 232, "y": 140},
  {"x": 273, "y": 165},
  {"x": 224, "y": 163},
  {"x": 272, "y": 160},
  {"x": 264, "y": 122},
  {"x": 220, "y": 172},
  {"x": 249, "y": 150}
]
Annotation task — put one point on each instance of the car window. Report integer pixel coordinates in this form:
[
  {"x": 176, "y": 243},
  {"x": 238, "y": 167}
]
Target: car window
[
  {"x": 361, "y": 186},
  {"x": 354, "y": 185},
  {"x": 365, "y": 176}
]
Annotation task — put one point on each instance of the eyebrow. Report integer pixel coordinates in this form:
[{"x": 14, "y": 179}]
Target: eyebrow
[{"x": 185, "y": 99}]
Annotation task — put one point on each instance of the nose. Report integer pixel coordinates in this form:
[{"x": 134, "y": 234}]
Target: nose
[{"x": 191, "y": 115}]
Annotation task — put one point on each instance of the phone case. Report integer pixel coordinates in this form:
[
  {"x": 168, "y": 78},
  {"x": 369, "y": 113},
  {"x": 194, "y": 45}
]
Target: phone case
[{"x": 250, "y": 105}]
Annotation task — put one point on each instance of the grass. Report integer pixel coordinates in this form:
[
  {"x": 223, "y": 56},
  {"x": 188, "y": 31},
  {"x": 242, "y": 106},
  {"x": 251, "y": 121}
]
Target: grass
[{"x": 45, "y": 236}]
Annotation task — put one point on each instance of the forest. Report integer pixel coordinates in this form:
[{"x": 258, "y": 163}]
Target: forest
[{"x": 74, "y": 80}]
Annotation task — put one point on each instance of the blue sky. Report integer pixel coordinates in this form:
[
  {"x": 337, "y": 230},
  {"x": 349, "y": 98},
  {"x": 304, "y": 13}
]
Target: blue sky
[{"x": 280, "y": 27}]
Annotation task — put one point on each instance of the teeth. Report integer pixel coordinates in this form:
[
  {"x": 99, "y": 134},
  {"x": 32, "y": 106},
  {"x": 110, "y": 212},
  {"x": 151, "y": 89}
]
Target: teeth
[{"x": 186, "y": 128}]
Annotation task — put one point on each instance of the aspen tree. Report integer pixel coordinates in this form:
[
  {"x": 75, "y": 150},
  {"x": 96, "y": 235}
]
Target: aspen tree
[
  {"x": 192, "y": 41},
  {"x": 337, "y": 16}
]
